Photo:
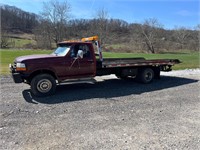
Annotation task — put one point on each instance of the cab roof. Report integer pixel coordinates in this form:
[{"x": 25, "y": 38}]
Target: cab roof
[{"x": 73, "y": 42}]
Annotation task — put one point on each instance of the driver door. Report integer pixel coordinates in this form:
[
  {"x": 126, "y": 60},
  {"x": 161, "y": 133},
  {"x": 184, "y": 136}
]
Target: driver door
[{"x": 80, "y": 67}]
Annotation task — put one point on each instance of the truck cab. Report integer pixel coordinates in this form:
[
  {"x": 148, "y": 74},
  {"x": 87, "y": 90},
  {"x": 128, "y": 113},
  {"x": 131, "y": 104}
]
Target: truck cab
[
  {"x": 78, "y": 60},
  {"x": 71, "y": 60}
]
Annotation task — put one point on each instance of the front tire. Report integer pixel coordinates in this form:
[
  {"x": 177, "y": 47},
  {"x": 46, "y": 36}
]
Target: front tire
[{"x": 43, "y": 85}]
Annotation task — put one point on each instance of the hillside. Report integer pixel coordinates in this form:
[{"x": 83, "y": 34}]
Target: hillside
[{"x": 21, "y": 29}]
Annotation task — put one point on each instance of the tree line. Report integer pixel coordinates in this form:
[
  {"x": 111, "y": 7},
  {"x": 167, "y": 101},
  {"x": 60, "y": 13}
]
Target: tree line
[
  {"x": 54, "y": 24},
  {"x": 13, "y": 19}
]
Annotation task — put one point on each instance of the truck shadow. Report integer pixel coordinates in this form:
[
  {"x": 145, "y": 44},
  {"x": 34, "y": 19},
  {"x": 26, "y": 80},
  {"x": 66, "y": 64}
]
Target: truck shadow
[{"x": 105, "y": 89}]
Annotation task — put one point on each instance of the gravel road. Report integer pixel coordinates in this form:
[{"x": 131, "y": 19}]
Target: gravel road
[{"x": 110, "y": 114}]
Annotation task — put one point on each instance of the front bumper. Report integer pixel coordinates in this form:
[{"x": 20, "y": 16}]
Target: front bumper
[{"x": 17, "y": 78}]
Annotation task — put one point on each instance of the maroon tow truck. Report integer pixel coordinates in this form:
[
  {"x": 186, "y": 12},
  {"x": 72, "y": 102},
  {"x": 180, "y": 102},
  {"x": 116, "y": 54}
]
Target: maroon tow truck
[{"x": 75, "y": 61}]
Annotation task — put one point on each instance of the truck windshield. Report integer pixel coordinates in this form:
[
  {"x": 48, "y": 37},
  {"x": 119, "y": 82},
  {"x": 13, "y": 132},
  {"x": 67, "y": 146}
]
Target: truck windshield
[{"x": 61, "y": 51}]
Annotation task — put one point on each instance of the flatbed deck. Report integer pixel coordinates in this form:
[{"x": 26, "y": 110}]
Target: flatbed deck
[{"x": 131, "y": 62}]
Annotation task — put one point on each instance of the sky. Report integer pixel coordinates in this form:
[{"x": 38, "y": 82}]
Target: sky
[{"x": 170, "y": 13}]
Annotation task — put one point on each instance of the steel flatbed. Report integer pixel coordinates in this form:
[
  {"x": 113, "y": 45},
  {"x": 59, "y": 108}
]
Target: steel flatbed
[{"x": 137, "y": 62}]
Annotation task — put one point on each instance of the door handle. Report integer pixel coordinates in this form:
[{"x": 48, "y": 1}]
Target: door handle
[{"x": 90, "y": 60}]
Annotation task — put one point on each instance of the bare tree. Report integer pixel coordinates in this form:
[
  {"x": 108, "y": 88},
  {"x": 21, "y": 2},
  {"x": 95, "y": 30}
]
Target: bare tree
[
  {"x": 56, "y": 13},
  {"x": 102, "y": 24},
  {"x": 4, "y": 39},
  {"x": 13, "y": 18},
  {"x": 150, "y": 30},
  {"x": 198, "y": 37},
  {"x": 181, "y": 34},
  {"x": 43, "y": 35}
]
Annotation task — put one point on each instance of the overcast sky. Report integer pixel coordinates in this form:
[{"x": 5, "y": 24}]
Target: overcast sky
[{"x": 170, "y": 13}]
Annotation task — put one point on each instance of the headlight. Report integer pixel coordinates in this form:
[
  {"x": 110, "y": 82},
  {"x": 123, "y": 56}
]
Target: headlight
[{"x": 20, "y": 67}]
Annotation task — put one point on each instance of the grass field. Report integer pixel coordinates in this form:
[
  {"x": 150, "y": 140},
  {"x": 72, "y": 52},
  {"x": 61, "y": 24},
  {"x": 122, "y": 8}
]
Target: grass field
[
  {"x": 20, "y": 43},
  {"x": 8, "y": 56},
  {"x": 189, "y": 59}
]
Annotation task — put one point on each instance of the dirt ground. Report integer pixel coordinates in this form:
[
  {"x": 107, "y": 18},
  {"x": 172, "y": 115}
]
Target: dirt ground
[{"x": 110, "y": 114}]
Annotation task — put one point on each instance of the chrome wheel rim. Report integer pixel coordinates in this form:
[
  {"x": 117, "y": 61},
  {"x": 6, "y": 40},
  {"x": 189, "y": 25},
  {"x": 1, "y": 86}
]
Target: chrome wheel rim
[{"x": 44, "y": 85}]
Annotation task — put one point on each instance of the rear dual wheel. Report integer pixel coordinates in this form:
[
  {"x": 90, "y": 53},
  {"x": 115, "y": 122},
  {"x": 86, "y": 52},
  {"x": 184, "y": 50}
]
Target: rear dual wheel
[{"x": 145, "y": 75}]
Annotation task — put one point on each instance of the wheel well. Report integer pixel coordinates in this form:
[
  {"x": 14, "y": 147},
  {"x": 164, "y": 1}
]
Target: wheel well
[
  {"x": 41, "y": 72},
  {"x": 152, "y": 67}
]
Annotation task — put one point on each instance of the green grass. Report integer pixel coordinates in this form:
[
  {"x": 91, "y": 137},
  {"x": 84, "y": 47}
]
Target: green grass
[
  {"x": 8, "y": 56},
  {"x": 21, "y": 42},
  {"x": 189, "y": 59}
]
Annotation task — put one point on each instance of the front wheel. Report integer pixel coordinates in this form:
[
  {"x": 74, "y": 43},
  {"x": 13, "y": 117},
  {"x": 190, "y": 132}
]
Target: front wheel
[{"x": 43, "y": 85}]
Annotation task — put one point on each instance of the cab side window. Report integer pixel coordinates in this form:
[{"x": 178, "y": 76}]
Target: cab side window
[
  {"x": 74, "y": 51},
  {"x": 83, "y": 47},
  {"x": 86, "y": 51}
]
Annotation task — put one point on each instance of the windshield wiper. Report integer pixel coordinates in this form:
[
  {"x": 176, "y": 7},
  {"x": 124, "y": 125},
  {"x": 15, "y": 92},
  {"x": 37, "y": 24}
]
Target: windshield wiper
[{"x": 55, "y": 54}]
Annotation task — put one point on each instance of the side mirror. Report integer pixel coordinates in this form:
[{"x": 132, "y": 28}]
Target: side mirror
[{"x": 80, "y": 54}]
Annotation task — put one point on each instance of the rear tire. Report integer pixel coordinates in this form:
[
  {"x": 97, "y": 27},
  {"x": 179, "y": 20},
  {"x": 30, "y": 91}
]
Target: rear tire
[
  {"x": 145, "y": 75},
  {"x": 43, "y": 85}
]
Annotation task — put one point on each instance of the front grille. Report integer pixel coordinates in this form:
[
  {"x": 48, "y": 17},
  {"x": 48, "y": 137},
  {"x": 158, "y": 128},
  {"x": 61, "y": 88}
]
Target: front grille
[{"x": 14, "y": 65}]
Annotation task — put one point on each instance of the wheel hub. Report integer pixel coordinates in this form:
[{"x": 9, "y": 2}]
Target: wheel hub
[
  {"x": 148, "y": 76},
  {"x": 44, "y": 86}
]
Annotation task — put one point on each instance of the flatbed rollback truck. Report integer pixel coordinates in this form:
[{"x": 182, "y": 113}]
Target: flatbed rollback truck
[{"x": 76, "y": 61}]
